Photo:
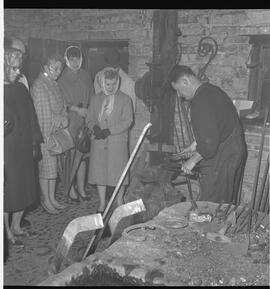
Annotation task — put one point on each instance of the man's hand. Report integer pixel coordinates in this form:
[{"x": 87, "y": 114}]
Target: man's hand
[
  {"x": 188, "y": 166},
  {"x": 190, "y": 163},
  {"x": 190, "y": 148},
  {"x": 185, "y": 153}
]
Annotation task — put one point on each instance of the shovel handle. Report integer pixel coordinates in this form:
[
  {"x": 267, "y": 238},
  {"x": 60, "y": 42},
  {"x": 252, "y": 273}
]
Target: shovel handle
[
  {"x": 128, "y": 165},
  {"x": 107, "y": 213}
]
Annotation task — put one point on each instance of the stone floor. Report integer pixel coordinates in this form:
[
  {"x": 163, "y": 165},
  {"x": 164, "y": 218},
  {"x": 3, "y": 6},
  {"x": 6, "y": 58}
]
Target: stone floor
[{"x": 31, "y": 264}]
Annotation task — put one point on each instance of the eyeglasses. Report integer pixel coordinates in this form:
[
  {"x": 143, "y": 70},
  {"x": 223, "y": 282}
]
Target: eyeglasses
[{"x": 15, "y": 68}]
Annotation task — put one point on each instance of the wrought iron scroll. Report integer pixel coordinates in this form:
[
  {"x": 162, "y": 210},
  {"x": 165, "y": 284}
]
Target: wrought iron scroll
[{"x": 207, "y": 45}]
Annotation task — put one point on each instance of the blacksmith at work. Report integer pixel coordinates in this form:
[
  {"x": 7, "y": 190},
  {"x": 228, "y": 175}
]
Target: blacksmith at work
[{"x": 219, "y": 146}]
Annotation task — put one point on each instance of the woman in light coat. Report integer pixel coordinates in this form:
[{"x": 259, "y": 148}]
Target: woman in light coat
[{"x": 110, "y": 117}]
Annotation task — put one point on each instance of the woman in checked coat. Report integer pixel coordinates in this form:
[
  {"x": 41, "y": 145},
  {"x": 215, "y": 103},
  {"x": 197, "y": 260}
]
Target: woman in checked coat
[
  {"x": 110, "y": 117},
  {"x": 51, "y": 112}
]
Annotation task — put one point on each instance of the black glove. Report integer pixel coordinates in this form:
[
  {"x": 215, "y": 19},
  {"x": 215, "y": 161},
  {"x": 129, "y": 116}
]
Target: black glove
[
  {"x": 105, "y": 133},
  {"x": 37, "y": 155},
  {"x": 97, "y": 131}
]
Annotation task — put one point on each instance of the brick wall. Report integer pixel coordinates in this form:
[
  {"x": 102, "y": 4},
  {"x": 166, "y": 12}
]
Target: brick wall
[
  {"x": 230, "y": 28},
  {"x": 91, "y": 24}
]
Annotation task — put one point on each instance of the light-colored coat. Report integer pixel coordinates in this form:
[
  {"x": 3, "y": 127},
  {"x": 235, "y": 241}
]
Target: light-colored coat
[{"x": 108, "y": 157}]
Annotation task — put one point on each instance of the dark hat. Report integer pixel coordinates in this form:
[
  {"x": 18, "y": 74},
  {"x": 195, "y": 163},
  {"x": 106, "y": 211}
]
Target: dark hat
[{"x": 112, "y": 56}]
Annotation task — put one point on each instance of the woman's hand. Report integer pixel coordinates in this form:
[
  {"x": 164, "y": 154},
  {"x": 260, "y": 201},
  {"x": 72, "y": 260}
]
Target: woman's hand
[
  {"x": 60, "y": 121},
  {"x": 64, "y": 122}
]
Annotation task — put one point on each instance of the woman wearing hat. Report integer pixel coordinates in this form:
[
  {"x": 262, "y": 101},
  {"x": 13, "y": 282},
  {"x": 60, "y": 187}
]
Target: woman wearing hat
[
  {"x": 112, "y": 58},
  {"x": 110, "y": 117},
  {"x": 77, "y": 87}
]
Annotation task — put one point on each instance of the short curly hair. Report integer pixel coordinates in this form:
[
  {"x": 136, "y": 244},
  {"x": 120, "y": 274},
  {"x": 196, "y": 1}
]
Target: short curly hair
[
  {"x": 52, "y": 58},
  {"x": 111, "y": 74}
]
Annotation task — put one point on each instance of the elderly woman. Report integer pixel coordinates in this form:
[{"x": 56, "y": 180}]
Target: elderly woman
[
  {"x": 20, "y": 146},
  {"x": 77, "y": 87},
  {"x": 51, "y": 113},
  {"x": 110, "y": 117}
]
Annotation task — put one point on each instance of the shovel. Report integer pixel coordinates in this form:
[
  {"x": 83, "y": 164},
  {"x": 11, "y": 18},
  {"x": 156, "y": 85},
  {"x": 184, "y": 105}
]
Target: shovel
[
  {"x": 80, "y": 224},
  {"x": 91, "y": 222},
  {"x": 220, "y": 235},
  {"x": 108, "y": 210},
  {"x": 124, "y": 211},
  {"x": 123, "y": 217}
]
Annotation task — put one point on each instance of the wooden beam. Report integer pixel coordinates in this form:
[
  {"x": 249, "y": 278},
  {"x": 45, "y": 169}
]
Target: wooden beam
[{"x": 165, "y": 31}]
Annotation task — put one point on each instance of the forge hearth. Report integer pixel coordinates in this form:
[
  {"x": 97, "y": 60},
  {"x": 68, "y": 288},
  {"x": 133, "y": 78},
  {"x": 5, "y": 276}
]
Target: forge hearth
[{"x": 177, "y": 256}]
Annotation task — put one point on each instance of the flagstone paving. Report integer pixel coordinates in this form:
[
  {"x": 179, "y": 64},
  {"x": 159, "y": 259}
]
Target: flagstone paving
[{"x": 31, "y": 265}]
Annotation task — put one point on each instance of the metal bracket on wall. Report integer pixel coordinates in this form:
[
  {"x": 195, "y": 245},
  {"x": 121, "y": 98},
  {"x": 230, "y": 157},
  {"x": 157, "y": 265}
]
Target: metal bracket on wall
[{"x": 207, "y": 45}]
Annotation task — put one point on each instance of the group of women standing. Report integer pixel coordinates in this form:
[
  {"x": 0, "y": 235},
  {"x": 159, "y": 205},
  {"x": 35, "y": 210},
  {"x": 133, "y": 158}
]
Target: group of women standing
[{"x": 63, "y": 98}]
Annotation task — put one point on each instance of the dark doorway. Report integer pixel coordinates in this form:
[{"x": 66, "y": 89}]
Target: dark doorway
[{"x": 95, "y": 50}]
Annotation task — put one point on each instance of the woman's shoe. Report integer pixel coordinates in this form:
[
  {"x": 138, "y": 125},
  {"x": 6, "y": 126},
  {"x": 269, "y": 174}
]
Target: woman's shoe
[
  {"x": 100, "y": 212},
  {"x": 59, "y": 206},
  {"x": 76, "y": 200},
  {"x": 25, "y": 234},
  {"x": 25, "y": 223},
  {"x": 48, "y": 210},
  {"x": 16, "y": 243},
  {"x": 84, "y": 198}
]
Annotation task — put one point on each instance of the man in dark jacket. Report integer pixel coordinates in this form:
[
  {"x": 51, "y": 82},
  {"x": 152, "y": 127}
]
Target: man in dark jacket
[{"x": 219, "y": 144}]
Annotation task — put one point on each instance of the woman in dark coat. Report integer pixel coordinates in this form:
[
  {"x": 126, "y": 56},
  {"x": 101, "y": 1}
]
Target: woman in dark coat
[{"x": 19, "y": 147}]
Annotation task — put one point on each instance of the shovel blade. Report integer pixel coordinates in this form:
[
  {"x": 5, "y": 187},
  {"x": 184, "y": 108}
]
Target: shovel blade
[
  {"x": 80, "y": 224},
  {"x": 125, "y": 210}
]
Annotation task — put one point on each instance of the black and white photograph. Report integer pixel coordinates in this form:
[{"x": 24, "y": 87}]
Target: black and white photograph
[{"x": 136, "y": 147}]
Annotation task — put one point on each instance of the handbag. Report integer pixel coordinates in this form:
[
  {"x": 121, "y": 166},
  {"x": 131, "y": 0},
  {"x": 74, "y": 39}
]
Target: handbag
[
  {"x": 60, "y": 141},
  {"x": 83, "y": 139}
]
